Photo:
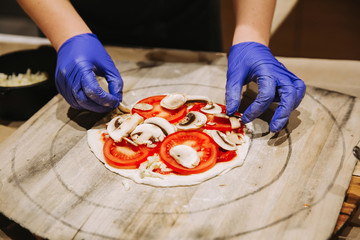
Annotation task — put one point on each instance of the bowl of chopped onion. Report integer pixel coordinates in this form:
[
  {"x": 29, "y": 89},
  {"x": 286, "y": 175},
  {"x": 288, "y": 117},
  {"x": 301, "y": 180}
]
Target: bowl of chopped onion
[{"x": 26, "y": 82}]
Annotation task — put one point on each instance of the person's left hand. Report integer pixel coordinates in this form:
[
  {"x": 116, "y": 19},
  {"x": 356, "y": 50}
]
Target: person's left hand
[{"x": 251, "y": 61}]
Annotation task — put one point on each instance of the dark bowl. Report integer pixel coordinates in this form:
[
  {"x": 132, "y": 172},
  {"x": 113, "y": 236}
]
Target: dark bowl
[{"x": 21, "y": 102}]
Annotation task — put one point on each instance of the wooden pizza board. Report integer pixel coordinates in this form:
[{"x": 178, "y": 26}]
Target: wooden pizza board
[{"x": 291, "y": 186}]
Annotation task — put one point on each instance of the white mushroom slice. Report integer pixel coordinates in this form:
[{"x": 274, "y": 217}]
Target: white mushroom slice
[
  {"x": 222, "y": 140},
  {"x": 143, "y": 106},
  {"x": 115, "y": 124},
  {"x": 192, "y": 120},
  {"x": 185, "y": 156},
  {"x": 235, "y": 122},
  {"x": 130, "y": 141},
  {"x": 235, "y": 138},
  {"x": 196, "y": 98},
  {"x": 147, "y": 134},
  {"x": 221, "y": 115},
  {"x": 173, "y": 101},
  {"x": 123, "y": 108},
  {"x": 212, "y": 109},
  {"x": 123, "y": 125},
  {"x": 163, "y": 124}
]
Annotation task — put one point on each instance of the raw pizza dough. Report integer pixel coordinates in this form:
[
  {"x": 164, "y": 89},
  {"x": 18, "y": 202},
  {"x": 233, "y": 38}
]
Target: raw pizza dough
[{"x": 95, "y": 142}]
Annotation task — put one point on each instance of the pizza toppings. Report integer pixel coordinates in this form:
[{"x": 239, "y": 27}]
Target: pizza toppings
[
  {"x": 123, "y": 125},
  {"x": 172, "y": 116},
  {"x": 123, "y": 108},
  {"x": 201, "y": 99},
  {"x": 163, "y": 124},
  {"x": 147, "y": 134},
  {"x": 153, "y": 167},
  {"x": 222, "y": 140},
  {"x": 235, "y": 122},
  {"x": 143, "y": 106},
  {"x": 185, "y": 156},
  {"x": 226, "y": 156},
  {"x": 172, "y": 134},
  {"x": 173, "y": 101},
  {"x": 219, "y": 122},
  {"x": 124, "y": 155},
  {"x": 205, "y": 147},
  {"x": 234, "y": 137},
  {"x": 192, "y": 120},
  {"x": 211, "y": 109},
  {"x": 176, "y": 100}
]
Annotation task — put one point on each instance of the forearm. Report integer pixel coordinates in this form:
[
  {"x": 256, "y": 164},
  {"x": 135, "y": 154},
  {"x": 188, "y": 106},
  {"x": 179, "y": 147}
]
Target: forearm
[
  {"x": 253, "y": 20},
  {"x": 57, "y": 19}
]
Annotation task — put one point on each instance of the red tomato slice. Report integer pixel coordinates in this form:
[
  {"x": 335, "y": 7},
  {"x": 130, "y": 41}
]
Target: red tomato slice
[
  {"x": 124, "y": 155},
  {"x": 201, "y": 142},
  {"x": 171, "y": 115}
]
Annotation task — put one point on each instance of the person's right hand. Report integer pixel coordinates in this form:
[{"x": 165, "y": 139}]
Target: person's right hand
[{"x": 79, "y": 60}]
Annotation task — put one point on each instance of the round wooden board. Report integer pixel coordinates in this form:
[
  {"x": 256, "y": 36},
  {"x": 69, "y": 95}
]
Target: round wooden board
[{"x": 53, "y": 185}]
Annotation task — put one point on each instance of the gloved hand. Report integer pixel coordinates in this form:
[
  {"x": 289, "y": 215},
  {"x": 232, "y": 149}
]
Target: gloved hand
[
  {"x": 78, "y": 60},
  {"x": 251, "y": 61}
]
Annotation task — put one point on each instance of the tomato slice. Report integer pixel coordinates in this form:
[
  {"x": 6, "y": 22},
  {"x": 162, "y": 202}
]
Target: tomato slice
[
  {"x": 157, "y": 111},
  {"x": 124, "y": 155},
  {"x": 201, "y": 142}
]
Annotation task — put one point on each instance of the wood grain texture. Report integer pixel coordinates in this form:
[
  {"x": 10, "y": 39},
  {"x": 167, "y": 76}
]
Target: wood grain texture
[
  {"x": 327, "y": 74},
  {"x": 290, "y": 182},
  {"x": 350, "y": 204}
]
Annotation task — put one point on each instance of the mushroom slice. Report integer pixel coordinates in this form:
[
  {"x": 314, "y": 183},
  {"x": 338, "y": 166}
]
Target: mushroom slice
[
  {"x": 192, "y": 120},
  {"x": 222, "y": 140},
  {"x": 130, "y": 141},
  {"x": 123, "y": 125},
  {"x": 185, "y": 156},
  {"x": 212, "y": 109},
  {"x": 235, "y": 122},
  {"x": 235, "y": 138},
  {"x": 143, "y": 106},
  {"x": 123, "y": 108},
  {"x": 163, "y": 124},
  {"x": 196, "y": 98},
  {"x": 221, "y": 115},
  {"x": 147, "y": 134},
  {"x": 173, "y": 101}
]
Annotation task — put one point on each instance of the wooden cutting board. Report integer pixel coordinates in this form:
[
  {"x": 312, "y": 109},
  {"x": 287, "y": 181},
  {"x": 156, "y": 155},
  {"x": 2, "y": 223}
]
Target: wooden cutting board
[{"x": 292, "y": 183}]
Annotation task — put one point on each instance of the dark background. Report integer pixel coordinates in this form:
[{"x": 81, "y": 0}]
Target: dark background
[{"x": 314, "y": 29}]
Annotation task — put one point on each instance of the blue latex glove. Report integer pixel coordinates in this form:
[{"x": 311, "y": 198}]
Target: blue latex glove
[
  {"x": 78, "y": 60},
  {"x": 251, "y": 61}
]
